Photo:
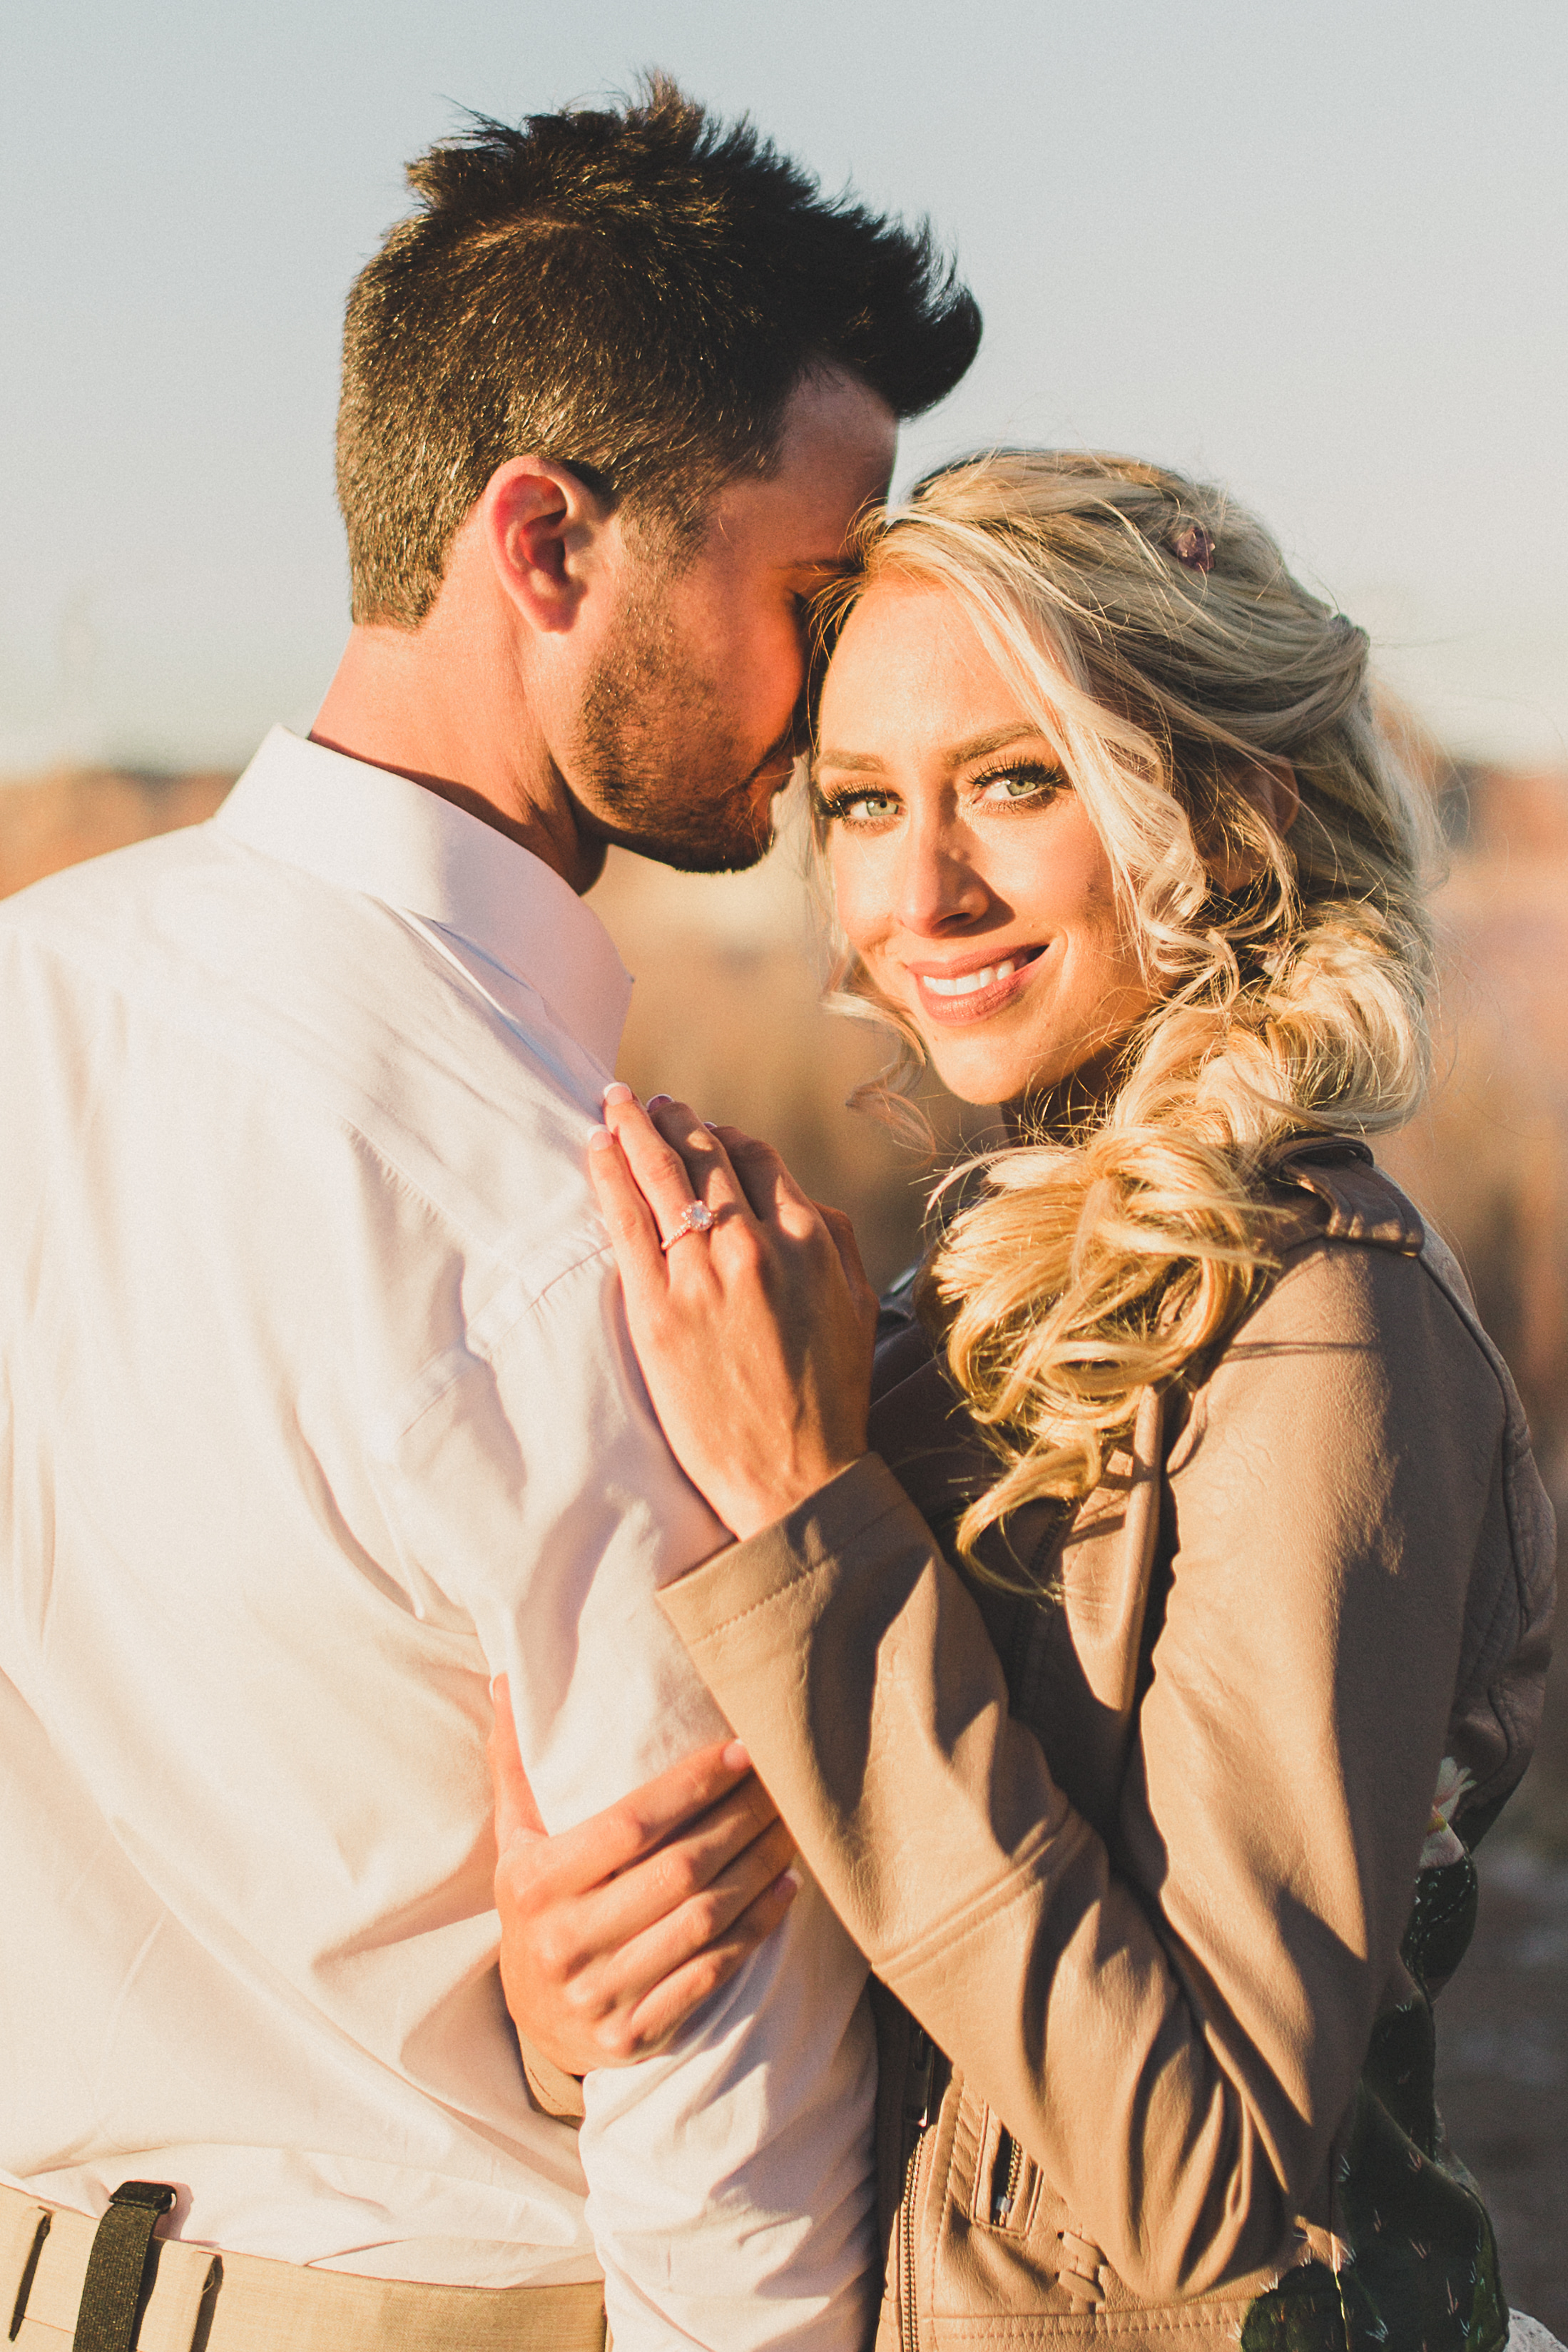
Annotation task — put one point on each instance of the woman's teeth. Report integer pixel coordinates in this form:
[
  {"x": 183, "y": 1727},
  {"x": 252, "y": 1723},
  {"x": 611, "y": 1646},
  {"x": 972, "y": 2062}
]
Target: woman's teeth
[{"x": 970, "y": 983}]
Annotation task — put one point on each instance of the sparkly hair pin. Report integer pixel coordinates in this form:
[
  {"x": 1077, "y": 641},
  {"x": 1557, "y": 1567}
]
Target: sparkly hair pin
[{"x": 1194, "y": 546}]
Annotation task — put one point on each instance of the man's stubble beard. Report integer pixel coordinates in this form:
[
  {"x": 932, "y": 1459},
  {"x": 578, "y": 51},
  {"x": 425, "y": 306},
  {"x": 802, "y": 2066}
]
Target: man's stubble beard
[{"x": 659, "y": 759}]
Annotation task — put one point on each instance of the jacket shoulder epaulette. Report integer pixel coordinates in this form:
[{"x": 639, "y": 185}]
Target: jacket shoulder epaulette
[{"x": 1354, "y": 1200}]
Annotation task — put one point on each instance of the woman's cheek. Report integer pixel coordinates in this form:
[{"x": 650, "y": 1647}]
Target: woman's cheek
[{"x": 854, "y": 896}]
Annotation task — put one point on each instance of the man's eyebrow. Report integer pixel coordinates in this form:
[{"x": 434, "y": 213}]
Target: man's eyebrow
[{"x": 977, "y": 746}]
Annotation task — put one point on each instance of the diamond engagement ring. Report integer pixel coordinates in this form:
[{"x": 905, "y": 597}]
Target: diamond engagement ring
[{"x": 695, "y": 1218}]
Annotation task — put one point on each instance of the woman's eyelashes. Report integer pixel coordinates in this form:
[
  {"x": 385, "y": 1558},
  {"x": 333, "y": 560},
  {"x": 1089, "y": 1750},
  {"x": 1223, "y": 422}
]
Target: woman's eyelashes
[
  {"x": 1021, "y": 784},
  {"x": 1018, "y": 782},
  {"x": 862, "y": 808}
]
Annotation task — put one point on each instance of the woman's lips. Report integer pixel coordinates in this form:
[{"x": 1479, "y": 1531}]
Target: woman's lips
[{"x": 975, "y": 992}]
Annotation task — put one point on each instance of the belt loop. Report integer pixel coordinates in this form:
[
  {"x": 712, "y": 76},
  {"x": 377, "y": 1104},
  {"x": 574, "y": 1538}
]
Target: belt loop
[
  {"x": 118, "y": 2267},
  {"x": 41, "y": 2218}
]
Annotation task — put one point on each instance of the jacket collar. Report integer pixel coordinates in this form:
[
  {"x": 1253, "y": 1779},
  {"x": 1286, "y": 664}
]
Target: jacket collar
[{"x": 366, "y": 829}]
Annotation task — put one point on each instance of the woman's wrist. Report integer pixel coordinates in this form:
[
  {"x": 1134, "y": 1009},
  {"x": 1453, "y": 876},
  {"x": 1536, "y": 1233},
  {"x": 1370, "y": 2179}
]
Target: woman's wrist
[{"x": 763, "y": 1508}]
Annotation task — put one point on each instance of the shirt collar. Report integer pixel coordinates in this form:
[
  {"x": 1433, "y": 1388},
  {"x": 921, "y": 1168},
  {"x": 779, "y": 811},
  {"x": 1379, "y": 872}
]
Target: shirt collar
[{"x": 366, "y": 829}]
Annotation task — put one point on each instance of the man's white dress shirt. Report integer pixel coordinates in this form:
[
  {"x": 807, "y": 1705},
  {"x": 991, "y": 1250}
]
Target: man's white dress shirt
[{"x": 317, "y": 1411}]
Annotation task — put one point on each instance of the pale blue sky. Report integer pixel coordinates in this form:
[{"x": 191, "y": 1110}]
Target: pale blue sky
[{"x": 1313, "y": 247}]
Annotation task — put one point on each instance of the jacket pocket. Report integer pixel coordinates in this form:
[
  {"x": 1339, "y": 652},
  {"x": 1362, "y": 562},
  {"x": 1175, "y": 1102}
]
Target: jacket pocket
[{"x": 1006, "y": 2180}]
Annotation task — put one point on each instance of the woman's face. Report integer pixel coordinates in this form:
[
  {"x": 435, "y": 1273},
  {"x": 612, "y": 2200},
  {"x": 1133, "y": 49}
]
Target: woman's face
[{"x": 966, "y": 870}]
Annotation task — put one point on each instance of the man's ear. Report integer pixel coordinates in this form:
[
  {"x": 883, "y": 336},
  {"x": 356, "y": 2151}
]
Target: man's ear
[
  {"x": 1270, "y": 787},
  {"x": 543, "y": 526}
]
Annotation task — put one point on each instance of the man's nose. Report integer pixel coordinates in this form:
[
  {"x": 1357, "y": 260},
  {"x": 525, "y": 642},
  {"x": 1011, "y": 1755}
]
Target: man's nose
[{"x": 940, "y": 889}]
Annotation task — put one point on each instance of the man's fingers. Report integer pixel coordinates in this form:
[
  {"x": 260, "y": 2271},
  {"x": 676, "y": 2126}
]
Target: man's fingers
[
  {"x": 615, "y": 1946},
  {"x": 683, "y": 1877},
  {"x": 672, "y": 1935},
  {"x": 633, "y": 1828},
  {"x": 517, "y": 1815},
  {"x": 659, "y": 2016},
  {"x": 655, "y": 1896},
  {"x": 711, "y": 1783},
  {"x": 618, "y": 1938},
  {"x": 718, "y": 1896}
]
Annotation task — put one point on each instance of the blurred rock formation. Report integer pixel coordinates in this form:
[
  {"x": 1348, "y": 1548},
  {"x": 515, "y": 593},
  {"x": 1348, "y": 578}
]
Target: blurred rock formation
[
  {"x": 55, "y": 820},
  {"x": 1488, "y": 1159}
]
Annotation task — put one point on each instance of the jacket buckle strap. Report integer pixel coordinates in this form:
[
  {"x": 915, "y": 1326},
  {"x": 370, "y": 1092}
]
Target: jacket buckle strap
[{"x": 1080, "y": 2273}]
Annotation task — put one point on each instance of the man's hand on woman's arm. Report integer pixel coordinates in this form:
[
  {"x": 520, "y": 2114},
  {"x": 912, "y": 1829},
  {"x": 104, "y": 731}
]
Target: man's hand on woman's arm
[{"x": 614, "y": 1932}]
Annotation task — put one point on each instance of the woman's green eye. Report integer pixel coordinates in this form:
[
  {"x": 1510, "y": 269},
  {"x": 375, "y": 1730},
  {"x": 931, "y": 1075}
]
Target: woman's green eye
[
  {"x": 1020, "y": 783},
  {"x": 858, "y": 808}
]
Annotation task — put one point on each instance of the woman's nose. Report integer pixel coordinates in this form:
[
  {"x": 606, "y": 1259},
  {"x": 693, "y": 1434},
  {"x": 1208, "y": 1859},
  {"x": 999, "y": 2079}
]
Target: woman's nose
[{"x": 940, "y": 890}]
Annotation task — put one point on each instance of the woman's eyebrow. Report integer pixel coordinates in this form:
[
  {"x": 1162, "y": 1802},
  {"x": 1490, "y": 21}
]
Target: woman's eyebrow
[
  {"x": 862, "y": 759},
  {"x": 975, "y": 748},
  {"x": 1018, "y": 732}
]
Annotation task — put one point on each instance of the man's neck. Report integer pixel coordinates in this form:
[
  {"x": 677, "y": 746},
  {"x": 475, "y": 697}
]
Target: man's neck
[{"x": 427, "y": 708}]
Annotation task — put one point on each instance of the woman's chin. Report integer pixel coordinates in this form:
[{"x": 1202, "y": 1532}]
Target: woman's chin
[
  {"x": 986, "y": 1081},
  {"x": 1039, "y": 1089}
]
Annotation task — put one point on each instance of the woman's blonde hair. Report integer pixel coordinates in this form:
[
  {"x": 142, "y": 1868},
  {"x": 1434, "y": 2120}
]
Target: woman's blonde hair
[{"x": 1153, "y": 629}]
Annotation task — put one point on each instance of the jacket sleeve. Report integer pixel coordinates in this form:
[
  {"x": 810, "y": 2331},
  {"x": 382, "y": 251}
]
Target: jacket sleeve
[{"x": 1171, "y": 2022}]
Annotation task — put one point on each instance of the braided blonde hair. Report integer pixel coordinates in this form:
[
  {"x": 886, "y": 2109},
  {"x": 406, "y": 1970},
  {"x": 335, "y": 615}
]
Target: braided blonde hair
[{"x": 1105, "y": 1249}]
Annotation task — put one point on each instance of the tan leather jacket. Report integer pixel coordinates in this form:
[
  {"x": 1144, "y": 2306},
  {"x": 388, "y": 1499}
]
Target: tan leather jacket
[{"x": 1142, "y": 1857}]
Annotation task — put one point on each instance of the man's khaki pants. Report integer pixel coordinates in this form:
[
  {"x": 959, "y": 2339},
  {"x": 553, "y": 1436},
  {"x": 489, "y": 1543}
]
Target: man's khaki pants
[{"x": 66, "y": 2280}]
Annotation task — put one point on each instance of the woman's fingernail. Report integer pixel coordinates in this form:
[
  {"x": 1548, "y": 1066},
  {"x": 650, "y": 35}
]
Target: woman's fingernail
[
  {"x": 618, "y": 1093},
  {"x": 737, "y": 1758},
  {"x": 601, "y": 1140},
  {"x": 659, "y": 1098},
  {"x": 793, "y": 1880}
]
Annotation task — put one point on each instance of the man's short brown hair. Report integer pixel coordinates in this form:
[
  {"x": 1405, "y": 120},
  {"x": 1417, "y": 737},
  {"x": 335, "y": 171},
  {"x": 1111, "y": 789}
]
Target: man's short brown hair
[{"x": 633, "y": 293}]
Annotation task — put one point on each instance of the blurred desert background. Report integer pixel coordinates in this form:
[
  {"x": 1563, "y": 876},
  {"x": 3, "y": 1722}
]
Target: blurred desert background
[{"x": 727, "y": 1014}]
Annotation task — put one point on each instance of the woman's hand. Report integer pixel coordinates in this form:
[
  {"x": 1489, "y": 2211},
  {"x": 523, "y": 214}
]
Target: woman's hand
[
  {"x": 613, "y": 1933},
  {"x": 754, "y": 1336}
]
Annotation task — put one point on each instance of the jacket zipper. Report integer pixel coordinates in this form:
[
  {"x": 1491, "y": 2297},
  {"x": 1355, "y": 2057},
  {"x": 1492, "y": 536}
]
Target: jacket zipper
[
  {"x": 1004, "y": 2199},
  {"x": 1009, "y": 2165},
  {"x": 917, "y": 2115},
  {"x": 1009, "y": 2153}
]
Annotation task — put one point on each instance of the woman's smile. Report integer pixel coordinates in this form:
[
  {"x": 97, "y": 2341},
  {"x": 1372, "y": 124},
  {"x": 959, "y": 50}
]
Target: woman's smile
[
  {"x": 969, "y": 876},
  {"x": 972, "y": 988}
]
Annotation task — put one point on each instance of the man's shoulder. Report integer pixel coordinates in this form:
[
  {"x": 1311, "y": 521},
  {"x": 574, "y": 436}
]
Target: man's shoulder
[
  {"x": 333, "y": 1022},
  {"x": 184, "y": 900},
  {"x": 58, "y": 903}
]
